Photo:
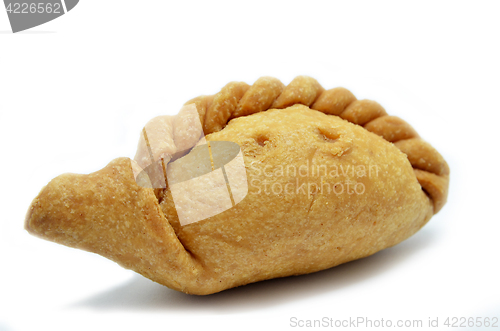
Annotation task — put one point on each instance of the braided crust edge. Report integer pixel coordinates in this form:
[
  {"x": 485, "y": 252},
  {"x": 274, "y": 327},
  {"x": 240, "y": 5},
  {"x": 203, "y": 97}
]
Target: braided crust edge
[{"x": 239, "y": 99}]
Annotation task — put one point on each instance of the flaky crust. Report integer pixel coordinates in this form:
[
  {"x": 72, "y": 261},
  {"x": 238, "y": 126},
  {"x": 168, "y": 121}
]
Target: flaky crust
[
  {"x": 266, "y": 235},
  {"x": 269, "y": 92}
]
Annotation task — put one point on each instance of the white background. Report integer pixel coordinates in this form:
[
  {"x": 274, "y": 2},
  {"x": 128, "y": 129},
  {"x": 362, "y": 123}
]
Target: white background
[{"x": 75, "y": 93}]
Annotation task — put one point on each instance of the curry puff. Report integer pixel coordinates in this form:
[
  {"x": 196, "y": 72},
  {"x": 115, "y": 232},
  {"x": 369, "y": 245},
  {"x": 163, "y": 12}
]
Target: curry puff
[{"x": 252, "y": 183}]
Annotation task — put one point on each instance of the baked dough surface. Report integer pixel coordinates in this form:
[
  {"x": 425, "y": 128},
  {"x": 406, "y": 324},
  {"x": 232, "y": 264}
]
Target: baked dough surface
[{"x": 330, "y": 179}]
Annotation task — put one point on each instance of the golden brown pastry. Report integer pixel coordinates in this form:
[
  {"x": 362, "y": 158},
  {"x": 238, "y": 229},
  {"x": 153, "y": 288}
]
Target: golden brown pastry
[{"x": 330, "y": 179}]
